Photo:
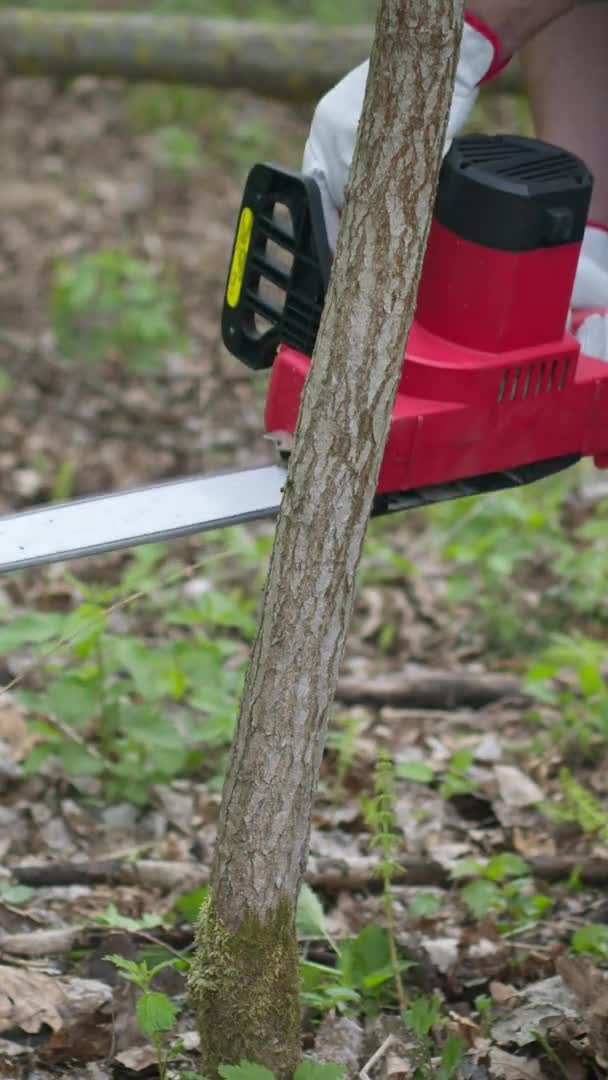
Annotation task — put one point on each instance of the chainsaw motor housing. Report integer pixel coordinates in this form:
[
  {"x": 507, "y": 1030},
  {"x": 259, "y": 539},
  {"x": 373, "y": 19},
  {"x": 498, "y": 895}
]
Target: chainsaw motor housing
[{"x": 494, "y": 391}]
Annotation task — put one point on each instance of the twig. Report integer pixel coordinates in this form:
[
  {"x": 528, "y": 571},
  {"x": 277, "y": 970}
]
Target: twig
[{"x": 375, "y": 1058}]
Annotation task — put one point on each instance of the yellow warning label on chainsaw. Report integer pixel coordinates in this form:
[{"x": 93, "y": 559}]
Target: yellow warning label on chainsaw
[{"x": 241, "y": 247}]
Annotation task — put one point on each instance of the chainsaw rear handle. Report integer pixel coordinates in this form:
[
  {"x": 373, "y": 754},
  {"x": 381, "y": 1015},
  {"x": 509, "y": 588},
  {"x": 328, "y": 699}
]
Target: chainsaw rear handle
[{"x": 279, "y": 267}]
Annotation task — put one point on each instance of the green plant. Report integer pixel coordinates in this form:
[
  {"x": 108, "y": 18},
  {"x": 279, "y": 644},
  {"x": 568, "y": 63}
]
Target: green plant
[
  {"x": 342, "y": 739},
  {"x": 13, "y": 893},
  {"x": 156, "y": 1013},
  {"x": 457, "y": 779},
  {"x": 177, "y": 149},
  {"x": 499, "y": 545},
  {"x": 130, "y": 710},
  {"x": 484, "y": 1005},
  {"x": 110, "y": 304},
  {"x": 568, "y": 675},
  {"x": 502, "y": 888},
  {"x": 422, "y": 1017},
  {"x": 380, "y": 815},
  {"x": 591, "y": 940},
  {"x": 362, "y": 979},
  {"x": 306, "y": 1070},
  {"x": 578, "y": 805}
]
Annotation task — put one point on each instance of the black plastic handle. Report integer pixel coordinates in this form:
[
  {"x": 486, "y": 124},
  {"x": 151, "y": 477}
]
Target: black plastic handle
[{"x": 279, "y": 267}]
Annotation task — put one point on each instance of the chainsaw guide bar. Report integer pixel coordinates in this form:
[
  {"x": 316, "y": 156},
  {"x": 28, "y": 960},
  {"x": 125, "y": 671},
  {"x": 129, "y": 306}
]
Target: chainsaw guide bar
[{"x": 92, "y": 526}]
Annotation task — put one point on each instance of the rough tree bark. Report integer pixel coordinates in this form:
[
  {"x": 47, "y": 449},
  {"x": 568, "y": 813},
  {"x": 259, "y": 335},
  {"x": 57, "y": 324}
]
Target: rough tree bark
[
  {"x": 290, "y": 62},
  {"x": 244, "y": 981}
]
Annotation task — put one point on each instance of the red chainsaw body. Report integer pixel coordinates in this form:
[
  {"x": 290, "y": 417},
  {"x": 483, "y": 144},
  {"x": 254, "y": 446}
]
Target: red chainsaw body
[{"x": 491, "y": 379}]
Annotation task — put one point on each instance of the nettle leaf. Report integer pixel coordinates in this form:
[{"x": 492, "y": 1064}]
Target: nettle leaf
[
  {"x": 418, "y": 771},
  {"x": 154, "y": 671},
  {"x": 452, "y": 1053},
  {"x": 310, "y": 917},
  {"x": 481, "y": 897},
  {"x": 591, "y": 939},
  {"x": 155, "y": 1012},
  {"x": 77, "y": 761},
  {"x": 130, "y": 969},
  {"x": 14, "y": 893},
  {"x": 506, "y": 865},
  {"x": 72, "y": 699},
  {"x": 247, "y": 1070},
  {"x": 314, "y": 1070},
  {"x": 112, "y": 917},
  {"x": 33, "y": 628},
  {"x": 364, "y": 956},
  {"x": 424, "y": 905},
  {"x": 422, "y": 1015},
  {"x": 189, "y": 904}
]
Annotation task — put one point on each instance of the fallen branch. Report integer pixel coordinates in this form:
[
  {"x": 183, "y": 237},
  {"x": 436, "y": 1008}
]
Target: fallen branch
[
  {"x": 418, "y": 687},
  {"x": 291, "y": 62},
  {"x": 325, "y": 874}
]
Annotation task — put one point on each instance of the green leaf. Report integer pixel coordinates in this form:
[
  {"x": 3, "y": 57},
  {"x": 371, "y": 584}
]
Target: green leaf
[
  {"x": 15, "y": 894},
  {"x": 189, "y": 904},
  {"x": 130, "y": 969},
  {"x": 481, "y": 897},
  {"x": 505, "y": 866},
  {"x": 112, "y": 917},
  {"x": 34, "y": 628},
  {"x": 422, "y": 1015},
  {"x": 155, "y": 1013},
  {"x": 77, "y": 761},
  {"x": 245, "y": 1071},
  {"x": 365, "y": 955},
  {"x": 452, "y": 1053},
  {"x": 310, "y": 919},
  {"x": 424, "y": 904},
  {"x": 313, "y": 1070},
  {"x": 591, "y": 939},
  {"x": 418, "y": 771},
  {"x": 466, "y": 868},
  {"x": 73, "y": 700}
]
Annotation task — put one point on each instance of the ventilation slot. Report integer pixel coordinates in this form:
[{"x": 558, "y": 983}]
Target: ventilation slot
[{"x": 518, "y": 384}]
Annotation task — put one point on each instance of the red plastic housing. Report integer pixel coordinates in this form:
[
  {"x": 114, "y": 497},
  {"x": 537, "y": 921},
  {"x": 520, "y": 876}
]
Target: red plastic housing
[{"x": 491, "y": 379}]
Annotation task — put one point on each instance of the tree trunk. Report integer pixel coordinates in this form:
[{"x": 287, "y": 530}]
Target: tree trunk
[
  {"x": 245, "y": 982},
  {"x": 290, "y": 62}
]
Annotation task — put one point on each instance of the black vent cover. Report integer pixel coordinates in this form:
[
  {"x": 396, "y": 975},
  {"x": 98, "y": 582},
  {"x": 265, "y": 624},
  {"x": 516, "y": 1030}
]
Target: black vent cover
[
  {"x": 279, "y": 268},
  {"x": 512, "y": 193}
]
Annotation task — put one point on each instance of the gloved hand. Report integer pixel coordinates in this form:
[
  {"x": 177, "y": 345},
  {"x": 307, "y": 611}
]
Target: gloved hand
[
  {"x": 329, "y": 150},
  {"x": 591, "y": 292}
]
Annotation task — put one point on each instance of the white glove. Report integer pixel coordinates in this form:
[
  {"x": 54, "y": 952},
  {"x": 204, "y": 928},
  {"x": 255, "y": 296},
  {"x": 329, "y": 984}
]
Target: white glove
[
  {"x": 591, "y": 291},
  {"x": 329, "y": 150}
]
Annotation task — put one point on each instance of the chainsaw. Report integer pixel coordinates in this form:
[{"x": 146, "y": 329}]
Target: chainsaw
[{"x": 494, "y": 392}]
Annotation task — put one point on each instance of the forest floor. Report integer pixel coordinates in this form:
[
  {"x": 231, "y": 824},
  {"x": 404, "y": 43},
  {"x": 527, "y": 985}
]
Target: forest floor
[{"x": 473, "y": 692}]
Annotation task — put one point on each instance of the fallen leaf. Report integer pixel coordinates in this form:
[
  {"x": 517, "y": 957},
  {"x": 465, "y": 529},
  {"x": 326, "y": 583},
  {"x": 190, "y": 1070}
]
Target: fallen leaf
[
  {"x": 443, "y": 952},
  {"x": 397, "y": 1068},
  {"x": 138, "y": 1058},
  {"x": 542, "y": 1006},
  {"x": 516, "y": 789},
  {"x": 504, "y": 1066},
  {"x": 30, "y": 1001},
  {"x": 590, "y": 988}
]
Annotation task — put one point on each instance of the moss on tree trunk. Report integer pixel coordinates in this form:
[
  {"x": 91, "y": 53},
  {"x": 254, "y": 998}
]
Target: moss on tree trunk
[{"x": 244, "y": 985}]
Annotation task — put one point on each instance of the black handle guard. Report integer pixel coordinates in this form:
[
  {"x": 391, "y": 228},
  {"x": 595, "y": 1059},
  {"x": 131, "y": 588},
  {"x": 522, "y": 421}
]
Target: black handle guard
[{"x": 279, "y": 268}]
